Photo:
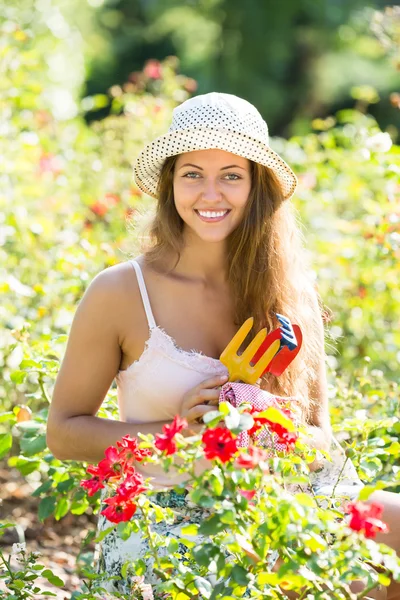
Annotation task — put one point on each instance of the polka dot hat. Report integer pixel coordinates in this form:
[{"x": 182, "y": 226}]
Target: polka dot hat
[{"x": 213, "y": 120}]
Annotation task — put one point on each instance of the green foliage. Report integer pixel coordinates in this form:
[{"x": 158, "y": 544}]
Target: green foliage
[{"x": 66, "y": 198}]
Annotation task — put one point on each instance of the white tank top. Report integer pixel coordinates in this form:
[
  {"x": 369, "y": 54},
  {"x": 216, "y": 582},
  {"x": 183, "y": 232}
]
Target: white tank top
[{"x": 152, "y": 387}]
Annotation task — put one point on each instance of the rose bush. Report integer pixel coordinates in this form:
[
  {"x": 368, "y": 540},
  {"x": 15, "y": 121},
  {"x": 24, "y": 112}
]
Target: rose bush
[{"x": 260, "y": 502}]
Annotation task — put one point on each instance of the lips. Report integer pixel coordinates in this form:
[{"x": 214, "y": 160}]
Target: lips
[{"x": 211, "y": 219}]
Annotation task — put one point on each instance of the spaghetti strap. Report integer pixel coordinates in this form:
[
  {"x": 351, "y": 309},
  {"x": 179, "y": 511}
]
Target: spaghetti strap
[{"x": 144, "y": 294}]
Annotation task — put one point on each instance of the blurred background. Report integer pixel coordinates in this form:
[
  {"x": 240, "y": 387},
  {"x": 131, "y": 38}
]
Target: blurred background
[{"x": 84, "y": 84}]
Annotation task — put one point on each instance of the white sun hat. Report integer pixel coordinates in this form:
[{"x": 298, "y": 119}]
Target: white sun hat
[{"x": 207, "y": 121}]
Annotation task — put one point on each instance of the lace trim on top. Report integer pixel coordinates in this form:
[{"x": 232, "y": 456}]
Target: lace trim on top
[{"x": 162, "y": 343}]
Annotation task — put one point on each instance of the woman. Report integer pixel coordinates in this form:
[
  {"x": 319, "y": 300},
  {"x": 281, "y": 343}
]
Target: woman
[{"x": 225, "y": 245}]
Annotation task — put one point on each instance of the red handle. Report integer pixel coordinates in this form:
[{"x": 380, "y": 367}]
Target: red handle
[{"x": 283, "y": 357}]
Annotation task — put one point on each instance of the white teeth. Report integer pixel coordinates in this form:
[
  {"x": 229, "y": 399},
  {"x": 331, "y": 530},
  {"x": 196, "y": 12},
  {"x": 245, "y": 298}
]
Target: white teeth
[{"x": 209, "y": 215}]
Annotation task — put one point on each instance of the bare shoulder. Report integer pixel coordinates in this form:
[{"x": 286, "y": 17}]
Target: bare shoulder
[
  {"x": 93, "y": 353},
  {"x": 113, "y": 291}
]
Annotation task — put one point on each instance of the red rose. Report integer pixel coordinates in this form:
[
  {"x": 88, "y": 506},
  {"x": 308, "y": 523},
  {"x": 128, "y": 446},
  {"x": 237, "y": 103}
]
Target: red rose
[
  {"x": 219, "y": 443},
  {"x": 165, "y": 441},
  {"x": 119, "y": 509},
  {"x": 251, "y": 458},
  {"x": 365, "y": 518},
  {"x": 248, "y": 494},
  {"x": 94, "y": 484},
  {"x": 129, "y": 449}
]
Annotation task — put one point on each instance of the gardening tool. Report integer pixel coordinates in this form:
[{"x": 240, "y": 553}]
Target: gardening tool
[
  {"x": 266, "y": 353},
  {"x": 239, "y": 367},
  {"x": 291, "y": 339}
]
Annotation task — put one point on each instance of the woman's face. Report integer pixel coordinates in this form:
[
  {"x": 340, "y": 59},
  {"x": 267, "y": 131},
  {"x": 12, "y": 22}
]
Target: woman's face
[{"x": 211, "y": 189}]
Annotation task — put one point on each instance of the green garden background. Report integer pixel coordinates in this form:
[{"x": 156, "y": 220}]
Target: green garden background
[{"x": 83, "y": 86}]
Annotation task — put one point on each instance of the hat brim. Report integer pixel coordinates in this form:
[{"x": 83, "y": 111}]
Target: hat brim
[{"x": 147, "y": 167}]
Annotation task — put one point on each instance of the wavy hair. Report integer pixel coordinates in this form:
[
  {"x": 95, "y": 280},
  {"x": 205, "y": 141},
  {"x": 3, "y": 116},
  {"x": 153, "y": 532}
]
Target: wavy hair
[{"x": 269, "y": 271}]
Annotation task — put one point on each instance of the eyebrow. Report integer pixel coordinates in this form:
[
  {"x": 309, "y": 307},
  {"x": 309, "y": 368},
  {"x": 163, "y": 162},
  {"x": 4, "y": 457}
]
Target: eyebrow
[{"x": 222, "y": 169}]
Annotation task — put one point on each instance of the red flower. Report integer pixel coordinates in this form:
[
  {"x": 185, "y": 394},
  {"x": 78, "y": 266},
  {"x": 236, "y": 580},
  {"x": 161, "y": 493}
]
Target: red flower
[
  {"x": 259, "y": 422},
  {"x": 122, "y": 507},
  {"x": 94, "y": 484},
  {"x": 366, "y": 518},
  {"x": 99, "y": 208},
  {"x": 248, "y": 494},
  {"x": 152, "y": 69},
  {"x": 219, "y": 443},
  {"x": 112, "y": 199},
  {"x": 251, "y": 458},
  {"x": 129, "y": 450},
  {"x": 281, "y": 435},
  {"x": 113, "y": 465},
  {"x": 50, "y": 163},
  {"x": 132, "y": 486},
  {"x": 165, "y": 441},
  {"x": 119, "y": 509}
]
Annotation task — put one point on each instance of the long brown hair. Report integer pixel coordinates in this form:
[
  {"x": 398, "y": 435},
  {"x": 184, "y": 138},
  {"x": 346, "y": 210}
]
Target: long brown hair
[{"x": 269, "y": 271}]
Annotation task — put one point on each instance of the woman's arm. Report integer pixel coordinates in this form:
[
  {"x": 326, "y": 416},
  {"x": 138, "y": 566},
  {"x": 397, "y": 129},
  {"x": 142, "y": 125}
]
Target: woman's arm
[{"x": 90, "y": 363}]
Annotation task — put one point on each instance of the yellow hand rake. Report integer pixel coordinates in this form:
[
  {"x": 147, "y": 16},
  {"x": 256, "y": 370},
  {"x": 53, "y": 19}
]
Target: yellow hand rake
[{"x": 239, "y": 367}]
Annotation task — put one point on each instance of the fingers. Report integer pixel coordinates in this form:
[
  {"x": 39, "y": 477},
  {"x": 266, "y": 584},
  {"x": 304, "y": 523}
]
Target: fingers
[{"x": 205, "y": 393}]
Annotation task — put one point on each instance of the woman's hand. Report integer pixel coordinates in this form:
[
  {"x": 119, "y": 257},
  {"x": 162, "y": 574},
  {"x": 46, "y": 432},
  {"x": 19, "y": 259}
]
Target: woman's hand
[{"x": 202, "y": 399}]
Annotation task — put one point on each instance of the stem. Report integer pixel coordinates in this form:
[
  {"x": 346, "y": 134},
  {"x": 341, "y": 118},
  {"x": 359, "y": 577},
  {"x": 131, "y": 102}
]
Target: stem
[
  {"x": 41, "y": 385},
  {"x": 338, "y": 479},
  {"x": 151, "y": 545},
  {"x": 6, "y": 564}
]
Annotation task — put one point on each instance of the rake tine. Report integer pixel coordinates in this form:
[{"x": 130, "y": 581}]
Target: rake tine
[
  {"x": 262, "y": 365},
  {"x": 254, "y": 345},
  {"x": 237, "y": 340}
]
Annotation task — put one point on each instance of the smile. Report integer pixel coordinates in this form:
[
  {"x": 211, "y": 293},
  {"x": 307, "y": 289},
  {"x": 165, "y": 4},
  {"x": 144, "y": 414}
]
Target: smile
[{"x": 212, "y": 216}]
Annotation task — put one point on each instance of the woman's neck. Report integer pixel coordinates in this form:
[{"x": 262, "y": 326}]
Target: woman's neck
[{"x": 204, "y": 264}]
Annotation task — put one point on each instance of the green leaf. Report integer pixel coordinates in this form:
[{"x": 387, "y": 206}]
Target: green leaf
[
  {"x": 18, "y": 376},
  {"x": 305, "y": 500},
  {"x": 211, "y": 415},
  {"x": 228, "y": 517},
  {"x": 216, "y": 483},
  {"x": 51, "y": 578},
  {"x": 28, "y": 362},
  {"x": 7, "y": 416},
  {"x": 394, "y": 448},
  {"x": 190, "y": 530},
  {"x": 211, "y": 526},
  {"x": 66, "y": 485},
  {"x": 42, "y": 488},
  {"x": 224, "y": 408},
  {"x": 25, "y": 466},
  {"x": 203, "y": 586},
  {"x": 103, "y": 534},
  {"x": 240, "y": 575},
  {"x": 203, "y": 554},
  {"x": 124, "y": 530},
  {"x": 46, "y": 507},
  {"x": 276, "y": 416},
  {"x": 62, "y": 508},
  {"x": 79, "y": 504},
  {"x": 5, "y": 443},
  {"x": 32, "y": 446}
]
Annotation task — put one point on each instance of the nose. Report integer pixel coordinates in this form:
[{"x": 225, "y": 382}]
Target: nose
[{"x": 211, "y": 192}]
